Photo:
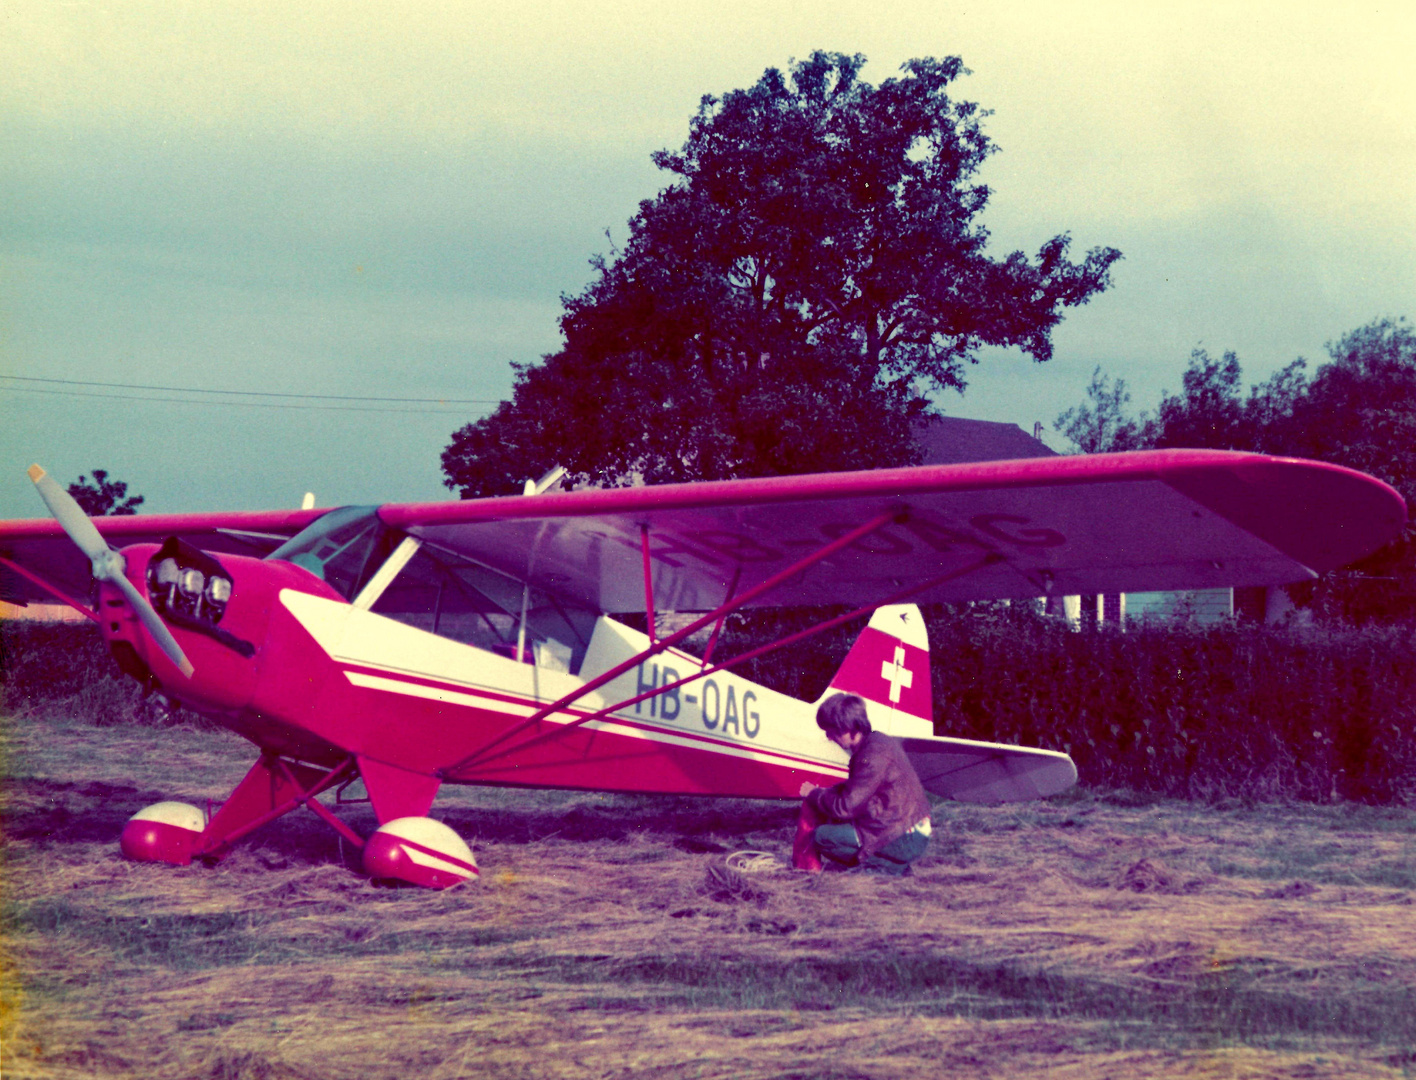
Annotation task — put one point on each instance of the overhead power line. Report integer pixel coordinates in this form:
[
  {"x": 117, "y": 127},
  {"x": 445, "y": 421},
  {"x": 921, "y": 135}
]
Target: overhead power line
[
  {"x": 247, "y": 393},
  {"x": 226, "y": 404}
]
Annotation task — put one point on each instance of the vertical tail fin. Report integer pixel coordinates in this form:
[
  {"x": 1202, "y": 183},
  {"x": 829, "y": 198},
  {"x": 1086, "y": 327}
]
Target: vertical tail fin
[{"x": 888, "y": 666}]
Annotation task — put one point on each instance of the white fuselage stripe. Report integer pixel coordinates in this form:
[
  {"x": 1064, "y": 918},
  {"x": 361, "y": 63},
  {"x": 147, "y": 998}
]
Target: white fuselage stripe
[{"x": 636, "y": 729}]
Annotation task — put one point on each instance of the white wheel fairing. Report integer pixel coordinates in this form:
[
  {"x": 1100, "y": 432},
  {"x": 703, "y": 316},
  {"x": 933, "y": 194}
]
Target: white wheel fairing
[
  {"x": 163, "y": 832},
  {"x": 420, "y": 851},
  {"x": 178, "y": 814}
]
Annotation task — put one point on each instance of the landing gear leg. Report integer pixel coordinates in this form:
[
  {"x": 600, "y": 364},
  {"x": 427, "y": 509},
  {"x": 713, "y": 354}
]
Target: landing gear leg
[
  {"x": 177, "y": 833},
  {"x": 271, "y": 789}
]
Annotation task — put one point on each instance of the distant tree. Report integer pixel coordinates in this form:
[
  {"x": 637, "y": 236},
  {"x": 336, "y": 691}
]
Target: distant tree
[
  {"x": 1360, "y": 411},
  {"x": 1208, "y": 411},
  {"x": 1357, "y": 410},
  {"x": 1100, "y": 425},
  {"x": 812, "y": 273},
  {"x": 104, "y": 496}
]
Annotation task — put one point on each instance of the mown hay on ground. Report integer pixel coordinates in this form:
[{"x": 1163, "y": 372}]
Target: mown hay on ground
[{"x": 1081, "y": 937}]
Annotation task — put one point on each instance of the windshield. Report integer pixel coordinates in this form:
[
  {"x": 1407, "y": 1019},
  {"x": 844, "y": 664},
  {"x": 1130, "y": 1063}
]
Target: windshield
[
  {"x": 440, "y": 591},
  {"x": 341, "y": 548}
]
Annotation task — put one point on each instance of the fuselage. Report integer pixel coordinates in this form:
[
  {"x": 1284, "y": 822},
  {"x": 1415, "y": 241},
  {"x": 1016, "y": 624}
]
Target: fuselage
[{"x": 300, "y": 671}]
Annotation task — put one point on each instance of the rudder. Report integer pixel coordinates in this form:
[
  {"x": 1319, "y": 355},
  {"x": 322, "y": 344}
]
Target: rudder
[{"x": 888, "y": 666}]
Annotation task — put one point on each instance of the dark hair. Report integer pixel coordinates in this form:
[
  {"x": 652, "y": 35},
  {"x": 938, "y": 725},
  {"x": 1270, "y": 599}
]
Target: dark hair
[{"x": 842, "y": 714}]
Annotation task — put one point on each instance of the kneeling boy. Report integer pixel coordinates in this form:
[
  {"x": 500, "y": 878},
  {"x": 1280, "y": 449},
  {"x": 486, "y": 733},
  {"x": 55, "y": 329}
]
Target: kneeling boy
[{"x": 878, "y": 817}]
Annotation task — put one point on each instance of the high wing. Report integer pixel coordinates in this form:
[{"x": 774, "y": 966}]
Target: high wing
[
  {"x": 1169, "y": 519},
  {"x": 1172, "y": 519},
  {"x": 41, "y": 549}
]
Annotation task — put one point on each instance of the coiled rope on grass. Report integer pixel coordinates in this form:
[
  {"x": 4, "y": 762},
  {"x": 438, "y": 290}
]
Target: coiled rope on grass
[{"x": 749, "y": 861}]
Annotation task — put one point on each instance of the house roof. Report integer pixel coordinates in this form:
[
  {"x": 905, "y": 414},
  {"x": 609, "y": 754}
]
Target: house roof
[{"x": 952, "y": 440}]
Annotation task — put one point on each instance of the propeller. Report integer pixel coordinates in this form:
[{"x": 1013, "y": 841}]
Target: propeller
[{"x": 107, "y": 564}]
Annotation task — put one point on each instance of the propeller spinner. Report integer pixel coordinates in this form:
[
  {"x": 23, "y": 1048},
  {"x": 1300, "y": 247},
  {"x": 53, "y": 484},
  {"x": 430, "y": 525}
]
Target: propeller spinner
[{"x": 107, "y": 564}]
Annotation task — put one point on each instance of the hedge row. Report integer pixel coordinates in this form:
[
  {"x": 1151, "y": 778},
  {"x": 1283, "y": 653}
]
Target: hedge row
[
  {"x": 1310, "y": 713},
  {"x": 1315, "y": 713},
  {"x": 65, "y": 668}
]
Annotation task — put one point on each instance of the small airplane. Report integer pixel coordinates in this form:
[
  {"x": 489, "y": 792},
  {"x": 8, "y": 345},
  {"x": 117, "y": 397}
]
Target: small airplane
[{"x": 411, "y": 645}]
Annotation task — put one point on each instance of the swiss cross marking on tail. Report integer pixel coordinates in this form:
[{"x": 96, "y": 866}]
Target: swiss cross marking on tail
[{"x": 896, "y": 674}]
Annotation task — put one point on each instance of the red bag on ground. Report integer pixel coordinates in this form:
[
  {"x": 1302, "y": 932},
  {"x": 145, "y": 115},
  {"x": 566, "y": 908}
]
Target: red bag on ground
[{"x": 804, "y": 855}]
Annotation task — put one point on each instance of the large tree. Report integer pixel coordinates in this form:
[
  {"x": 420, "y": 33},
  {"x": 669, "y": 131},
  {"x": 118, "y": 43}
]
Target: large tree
[{"x": 814, "y": 272}]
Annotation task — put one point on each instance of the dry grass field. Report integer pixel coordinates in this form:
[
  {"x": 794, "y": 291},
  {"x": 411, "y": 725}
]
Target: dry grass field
[{"x": 1087, "y": 937}]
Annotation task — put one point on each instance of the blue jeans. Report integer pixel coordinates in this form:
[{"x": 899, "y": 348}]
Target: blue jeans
[{"x": 841, "y": 844}]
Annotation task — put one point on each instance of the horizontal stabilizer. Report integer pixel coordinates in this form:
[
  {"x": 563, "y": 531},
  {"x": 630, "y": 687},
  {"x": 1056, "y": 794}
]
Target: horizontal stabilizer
[{"x": 988, "y": 773}]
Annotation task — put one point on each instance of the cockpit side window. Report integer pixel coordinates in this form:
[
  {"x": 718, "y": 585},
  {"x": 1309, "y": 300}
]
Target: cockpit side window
[
  {"x": 452, "y": 597},
  {"x": 341, "y": 548}
]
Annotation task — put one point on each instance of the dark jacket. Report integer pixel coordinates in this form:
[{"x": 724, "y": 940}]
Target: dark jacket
[{"x": 882, "y": 797}]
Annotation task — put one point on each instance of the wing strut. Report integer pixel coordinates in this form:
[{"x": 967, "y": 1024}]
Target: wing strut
[
  {"x": 30, "y": 575},
  {"x": 482, "y": 756},
  {"x": 648, "y": 583},
  {"x": 879, "y": 521},
  {"x": 894, "y": 598},
  {"x": 718, "y": 626}
]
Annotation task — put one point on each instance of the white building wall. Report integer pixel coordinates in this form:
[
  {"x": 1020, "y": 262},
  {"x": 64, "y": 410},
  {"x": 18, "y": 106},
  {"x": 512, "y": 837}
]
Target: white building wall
[{"x": 1202, "y": 605}]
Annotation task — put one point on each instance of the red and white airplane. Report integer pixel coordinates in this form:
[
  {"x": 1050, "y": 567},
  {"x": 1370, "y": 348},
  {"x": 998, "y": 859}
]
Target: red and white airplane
[{"x": 412, "y": 645}]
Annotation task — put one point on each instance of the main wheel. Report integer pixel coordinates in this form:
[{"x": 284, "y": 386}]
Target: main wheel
[
  {"x": 163, "y": 832},
  {"x": 420, "y": 851}
]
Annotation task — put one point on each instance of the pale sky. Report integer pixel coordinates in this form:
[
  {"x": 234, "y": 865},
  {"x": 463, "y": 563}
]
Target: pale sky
[{"x": 388, "y": 200}]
